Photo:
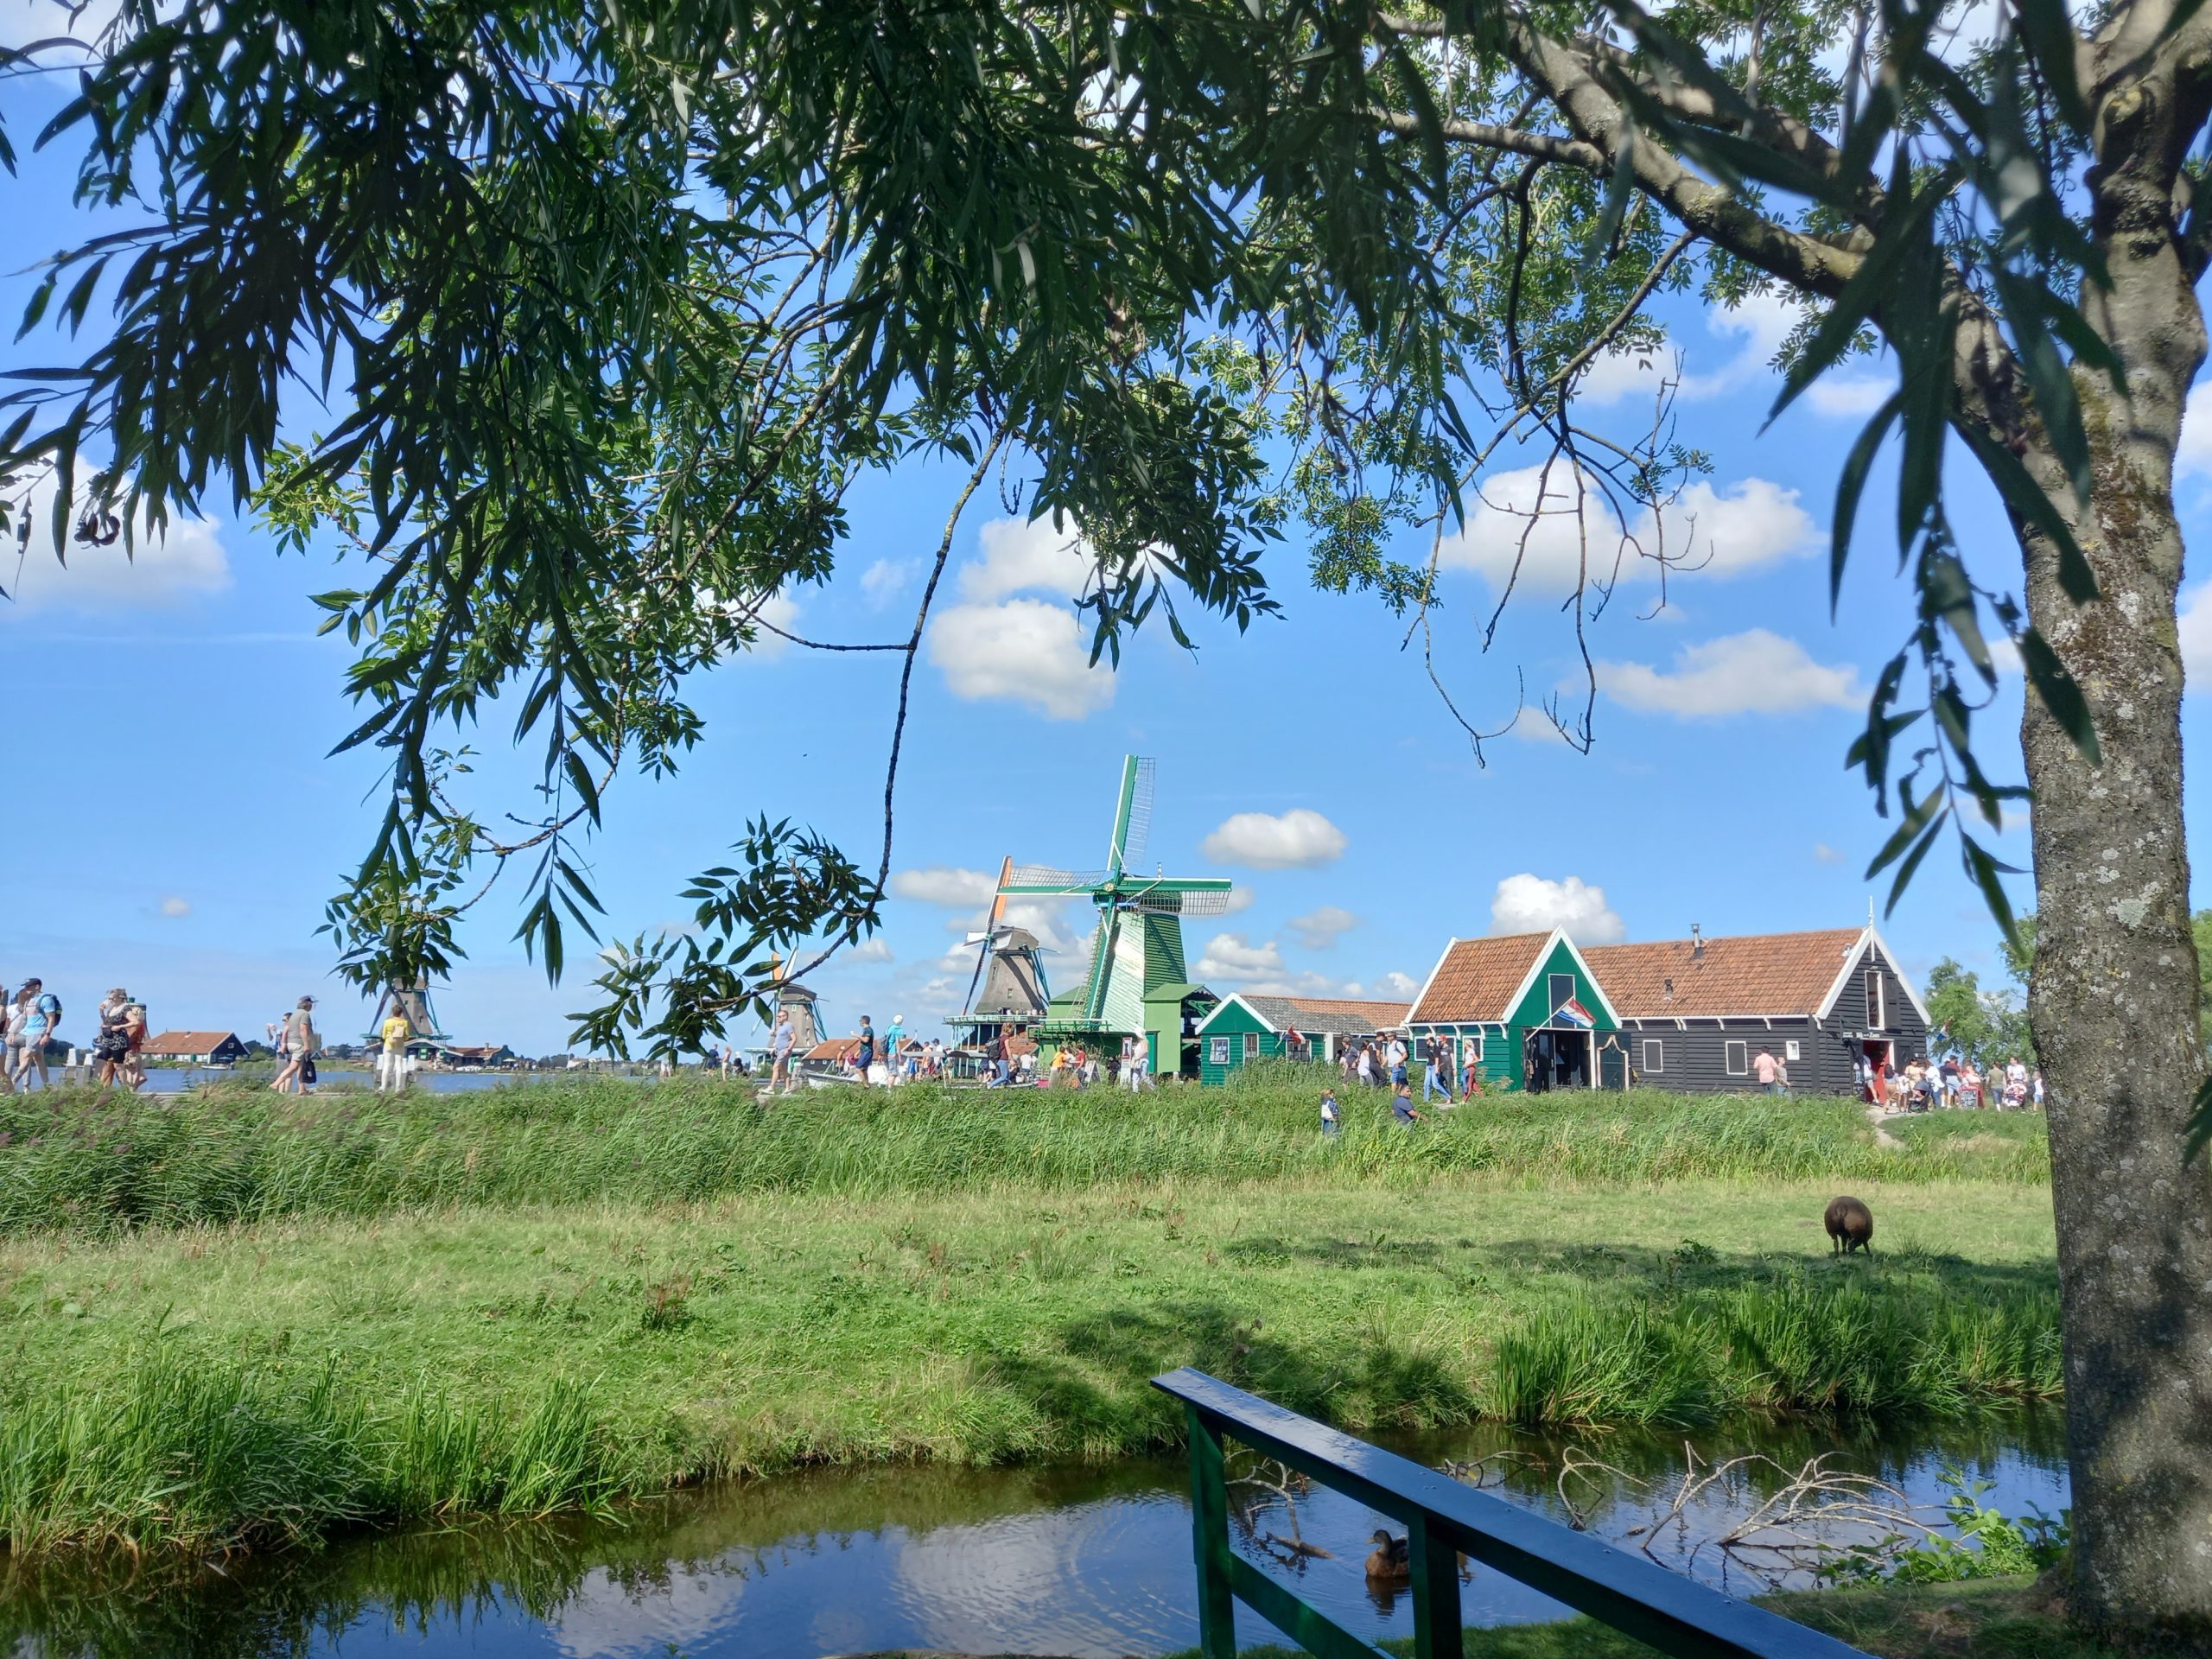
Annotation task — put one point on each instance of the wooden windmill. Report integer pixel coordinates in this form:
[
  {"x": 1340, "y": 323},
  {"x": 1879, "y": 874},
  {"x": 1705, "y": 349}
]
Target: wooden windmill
[
  {"x": 1137, "y": 984},
  {"x": 1014, "y": 993}
]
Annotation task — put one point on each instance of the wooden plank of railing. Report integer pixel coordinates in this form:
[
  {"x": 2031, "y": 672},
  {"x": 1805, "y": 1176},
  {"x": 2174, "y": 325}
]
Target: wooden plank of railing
[{"x": 1676, "y": 1615}]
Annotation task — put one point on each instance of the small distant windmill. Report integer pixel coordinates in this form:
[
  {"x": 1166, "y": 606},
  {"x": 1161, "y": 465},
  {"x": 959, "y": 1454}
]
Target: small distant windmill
[
  {"x": 1137, "y": 983},
  {"x": 1015, "y": 993}
]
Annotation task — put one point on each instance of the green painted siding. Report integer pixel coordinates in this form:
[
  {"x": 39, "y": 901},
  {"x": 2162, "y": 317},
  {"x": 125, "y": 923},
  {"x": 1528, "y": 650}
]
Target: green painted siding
[
  {"x": 1228, "y": 1035},
  {"x": 1536, "y": 1007}
]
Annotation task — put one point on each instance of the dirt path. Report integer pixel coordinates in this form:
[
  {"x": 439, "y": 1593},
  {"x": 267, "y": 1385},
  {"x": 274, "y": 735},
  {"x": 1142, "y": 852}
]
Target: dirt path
[{"x": 1882, "y": 1136}]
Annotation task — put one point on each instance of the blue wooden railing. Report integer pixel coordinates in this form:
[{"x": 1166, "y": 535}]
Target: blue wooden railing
[{"x": 1443, "y": 1520}]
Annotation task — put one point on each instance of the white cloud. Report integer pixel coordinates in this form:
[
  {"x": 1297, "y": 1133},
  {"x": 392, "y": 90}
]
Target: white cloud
[
  {"x": 1229, "y": 956},
  {"x": 1849, "y": 394},
  {"x": 941, "y": 884},
  {"x": 1824, "y": 854},
  {"x": 1235, "y": 963},
  {"x": 884, "y": 580},
  {"x": 2196, "y": 620},
  {"x": 1397, "y": 984},
  {"x": 1320, "y": 928},
  {"x": 1761, "y": 323},
  {"x": 1239, "y": 899},
  {"x": 1526, "y": 516},
  {"x": 176, "y": 905},
  {"x": 1751, "y": 672},
  {"x": 1018, "y": 556},
  {"x": 183, "y": 562},
  {"x": 2194, "y": 457},
  {"x": 1299, "y": 839},
  {"x": 1530, "y": 904},
  {"x": 1020, "y": 650},
  {"x": 870, "y": 950},
  {"x": 1025, "y": 650}
]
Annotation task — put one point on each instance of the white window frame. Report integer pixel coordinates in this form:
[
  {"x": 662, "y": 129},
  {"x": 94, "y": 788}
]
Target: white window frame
[
  {"x": 1790, "y": 1052},
  {"x": 1220, "y": 1047},
  {"x": 1654, "y": 1063},
  {"x": 1878, "y": 1001},
  {"x": 1736, "y": 1056},
  {"x": 1551, "y": 990},
  {"x": 1251, "y": 1044}
]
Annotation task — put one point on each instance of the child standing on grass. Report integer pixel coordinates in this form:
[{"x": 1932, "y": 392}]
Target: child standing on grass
[{"x": 1330, "y": 1125}]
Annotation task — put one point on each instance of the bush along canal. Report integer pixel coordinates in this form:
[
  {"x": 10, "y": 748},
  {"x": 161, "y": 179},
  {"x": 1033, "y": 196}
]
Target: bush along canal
[{"x": 1079, "y": 1561}]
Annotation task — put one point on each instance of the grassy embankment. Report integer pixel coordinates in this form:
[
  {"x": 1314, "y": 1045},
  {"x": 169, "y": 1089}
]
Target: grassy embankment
[{"x": 237, "y": 1319}]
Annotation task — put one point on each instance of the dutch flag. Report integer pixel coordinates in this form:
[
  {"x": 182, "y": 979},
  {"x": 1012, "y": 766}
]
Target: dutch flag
[{"x": 1575, "y": 1015}]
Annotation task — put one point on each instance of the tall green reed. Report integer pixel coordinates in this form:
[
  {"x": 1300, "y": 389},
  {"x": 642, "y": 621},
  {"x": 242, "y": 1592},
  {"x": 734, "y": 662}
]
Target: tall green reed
[{"x": 77, "y": 1160}]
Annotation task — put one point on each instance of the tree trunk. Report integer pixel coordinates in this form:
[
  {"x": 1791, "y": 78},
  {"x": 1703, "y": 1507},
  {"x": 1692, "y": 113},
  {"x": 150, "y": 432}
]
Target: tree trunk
[{"x": 2112, "y": 996}]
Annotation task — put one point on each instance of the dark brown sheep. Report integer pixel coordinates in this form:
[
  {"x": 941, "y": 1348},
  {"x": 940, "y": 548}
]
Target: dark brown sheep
[{"x": 1850, "y": 1224}]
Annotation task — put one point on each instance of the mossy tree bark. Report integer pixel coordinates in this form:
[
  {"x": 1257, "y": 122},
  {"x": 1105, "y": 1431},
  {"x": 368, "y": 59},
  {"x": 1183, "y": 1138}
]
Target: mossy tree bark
[{"x": 2112, "y": 995}]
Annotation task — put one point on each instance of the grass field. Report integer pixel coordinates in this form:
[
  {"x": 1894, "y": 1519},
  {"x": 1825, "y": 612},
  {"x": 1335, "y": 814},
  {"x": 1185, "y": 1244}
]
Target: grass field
[{"x": 233, "y": 1319}]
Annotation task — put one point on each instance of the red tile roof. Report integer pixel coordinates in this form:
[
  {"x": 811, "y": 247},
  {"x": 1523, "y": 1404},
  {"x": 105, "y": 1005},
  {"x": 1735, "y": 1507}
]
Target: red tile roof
[
  {"x": 1754, "y": 974},
  {"x": 1477, "y": 979},
  {"x": 188, "y": 1042}
]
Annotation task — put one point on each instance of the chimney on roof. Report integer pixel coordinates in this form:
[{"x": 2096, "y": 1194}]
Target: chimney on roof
[
  {"x": 1697, "y": 943},
  {"x": 1669, "y": 995}
]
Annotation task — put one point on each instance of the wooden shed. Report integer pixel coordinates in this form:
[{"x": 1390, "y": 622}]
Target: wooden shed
[
  {"x": 1527, "y": 1008},
  {"x": 1696, "y": 1012},
  {"x": 1246, "y": 1026}
]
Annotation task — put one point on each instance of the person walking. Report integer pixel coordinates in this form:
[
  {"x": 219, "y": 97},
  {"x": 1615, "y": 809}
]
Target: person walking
[
  {"x": 779, "y": 1052},
  {"x": 864, "y": 1052},
  {"x": 392, "y": 1057},
  {"x": 1331, "y": 1125},
  {"x": 1470, "y": 1081},
  {"x": 133, "y": 1070},
  {"x": 2035, "y": 1087},
  {"x": 111, "y": 1043},
  {"x": 299, "y": 1046},
  {"x": 1434, "y": 1077},
  {"x": 1366, "y": 1064},
  {"x": 1397, "y": 1059},
  {"x": 1764, "y": 1068},
  {"x": 36, "y": 1021},
  {"x": 894, "y": 1048}
]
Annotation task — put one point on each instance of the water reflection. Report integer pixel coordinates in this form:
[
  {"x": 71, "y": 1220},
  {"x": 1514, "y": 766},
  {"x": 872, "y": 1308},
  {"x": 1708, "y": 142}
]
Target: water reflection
[{"x": 1081, "y": 1562}]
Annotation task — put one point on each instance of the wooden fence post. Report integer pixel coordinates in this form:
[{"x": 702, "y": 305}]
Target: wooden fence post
[
  {"x": 1210, "y": 1539},
  {"x": 1436, "y": 1592}
]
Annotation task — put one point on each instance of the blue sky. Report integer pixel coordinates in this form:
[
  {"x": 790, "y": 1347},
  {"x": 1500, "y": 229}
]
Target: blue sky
[{"x": 188, "y": 824}]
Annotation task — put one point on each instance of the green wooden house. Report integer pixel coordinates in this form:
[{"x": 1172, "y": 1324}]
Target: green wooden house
[
  {"x": 1245, "y": 1027},
  {"x": 1527, "y": 1009}
]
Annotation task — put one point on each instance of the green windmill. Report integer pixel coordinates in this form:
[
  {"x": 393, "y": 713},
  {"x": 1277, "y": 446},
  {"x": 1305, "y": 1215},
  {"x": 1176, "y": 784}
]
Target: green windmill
[{"x": 1138, "y": 985}]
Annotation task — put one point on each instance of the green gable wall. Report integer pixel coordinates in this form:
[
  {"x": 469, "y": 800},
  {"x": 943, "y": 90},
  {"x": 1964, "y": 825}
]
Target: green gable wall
[
  {"x": 1535, "y": 1009},
  {"x": 1234, "y": 1021}
]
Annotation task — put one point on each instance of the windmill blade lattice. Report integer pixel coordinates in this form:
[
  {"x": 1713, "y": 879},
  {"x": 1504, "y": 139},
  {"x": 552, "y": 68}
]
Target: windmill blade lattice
[
  {"x": 1041, "y": 878},
  {"x": 1181, "y": 904},
  {"x": 1136, "y": 827}
]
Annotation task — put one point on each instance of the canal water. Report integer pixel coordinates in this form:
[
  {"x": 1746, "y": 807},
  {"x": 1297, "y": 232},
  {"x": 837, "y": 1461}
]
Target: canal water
[{"x": 1080, "y": 1562}]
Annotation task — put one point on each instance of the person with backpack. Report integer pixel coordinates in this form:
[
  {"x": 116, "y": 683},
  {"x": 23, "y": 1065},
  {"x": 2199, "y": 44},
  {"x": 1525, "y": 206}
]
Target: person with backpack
[{"x": 35, "y": 1022}]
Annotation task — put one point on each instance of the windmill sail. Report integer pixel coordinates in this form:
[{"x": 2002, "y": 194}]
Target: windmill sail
[
  {"x": 1173, "y": 902},
  {"x": 1132, "y": 814}
]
